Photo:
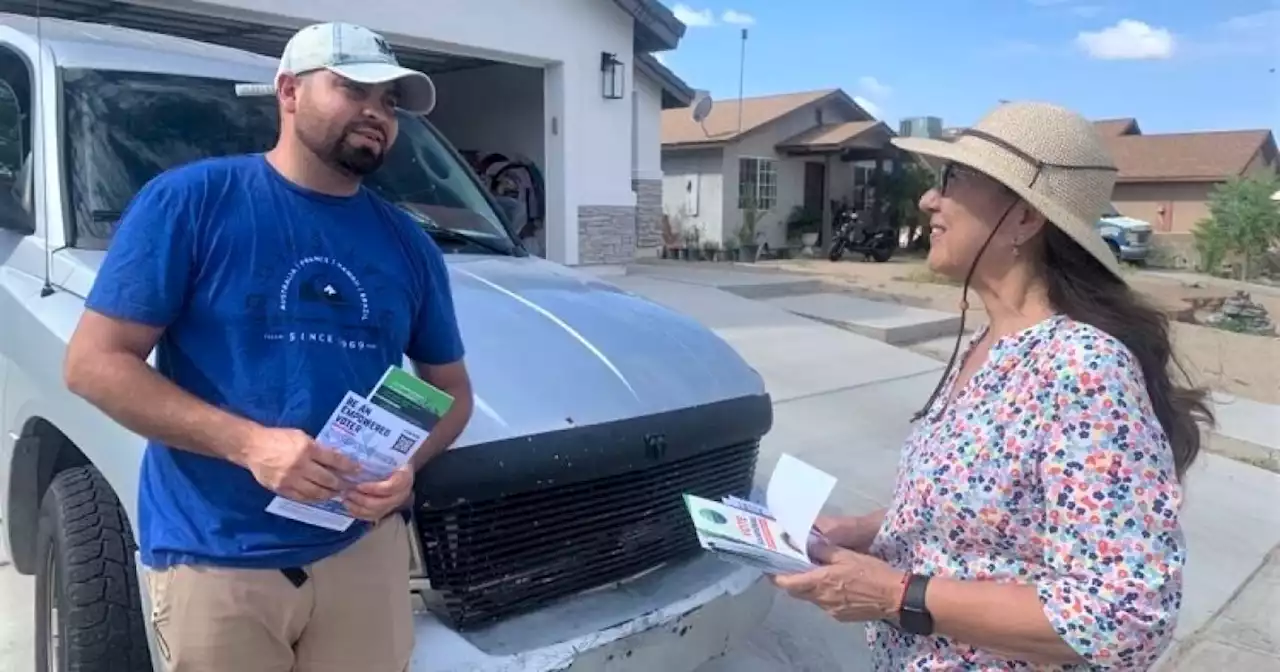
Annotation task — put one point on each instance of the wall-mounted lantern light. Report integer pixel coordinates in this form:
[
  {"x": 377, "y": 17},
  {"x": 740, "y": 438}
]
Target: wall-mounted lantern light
[{"x": 612, "y": 77}]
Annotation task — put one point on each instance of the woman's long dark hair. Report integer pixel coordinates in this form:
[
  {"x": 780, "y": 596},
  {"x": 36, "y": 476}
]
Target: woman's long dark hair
[{"x": 1087, "y": 292}]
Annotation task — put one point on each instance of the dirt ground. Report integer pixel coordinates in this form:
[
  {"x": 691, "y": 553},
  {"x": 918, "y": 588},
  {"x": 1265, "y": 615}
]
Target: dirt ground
[{"x": 1240, "y": 364}]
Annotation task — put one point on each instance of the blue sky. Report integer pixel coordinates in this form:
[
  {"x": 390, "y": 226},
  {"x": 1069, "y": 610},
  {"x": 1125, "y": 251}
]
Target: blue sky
[{"x": 1175, "y": 65}]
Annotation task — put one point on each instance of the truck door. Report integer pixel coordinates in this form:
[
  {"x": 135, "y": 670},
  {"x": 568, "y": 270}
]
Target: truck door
[{"x": 17, "y": 220}]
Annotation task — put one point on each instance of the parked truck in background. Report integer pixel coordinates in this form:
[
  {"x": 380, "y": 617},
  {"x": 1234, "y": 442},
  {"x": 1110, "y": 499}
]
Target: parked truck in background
[
  {"x": 552, "y": 537},
  {"x": 1128, "y": 238}
]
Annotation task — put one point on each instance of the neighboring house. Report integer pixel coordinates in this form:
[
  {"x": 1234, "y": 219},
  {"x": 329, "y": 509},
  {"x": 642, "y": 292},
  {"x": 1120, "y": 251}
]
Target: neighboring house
[
  {"x": 567, "y": 86},
  {"x": 1166, "y": 178},
  {"x": 800, "y": 149}
]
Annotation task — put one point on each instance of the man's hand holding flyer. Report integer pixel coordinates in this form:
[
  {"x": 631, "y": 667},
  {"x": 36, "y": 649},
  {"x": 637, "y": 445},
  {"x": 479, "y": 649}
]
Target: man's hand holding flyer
[{"x": 380, "y": 433}]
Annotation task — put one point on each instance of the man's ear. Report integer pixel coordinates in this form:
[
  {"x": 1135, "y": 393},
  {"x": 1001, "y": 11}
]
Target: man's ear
[{"x": 288, "y": 87}]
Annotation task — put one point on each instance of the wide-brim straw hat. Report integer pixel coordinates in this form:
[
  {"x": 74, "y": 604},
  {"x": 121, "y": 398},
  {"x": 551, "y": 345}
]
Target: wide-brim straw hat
[{"x": 1048, "y": 155}]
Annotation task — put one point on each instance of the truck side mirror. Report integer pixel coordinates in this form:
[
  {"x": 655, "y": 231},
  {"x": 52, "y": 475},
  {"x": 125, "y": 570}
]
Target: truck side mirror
[{"x": 515, "y": 214}]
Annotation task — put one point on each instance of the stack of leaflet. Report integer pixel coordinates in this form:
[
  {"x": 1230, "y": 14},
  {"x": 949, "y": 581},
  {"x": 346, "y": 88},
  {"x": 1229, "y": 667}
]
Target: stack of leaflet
[{"x": 772, "y": 536}]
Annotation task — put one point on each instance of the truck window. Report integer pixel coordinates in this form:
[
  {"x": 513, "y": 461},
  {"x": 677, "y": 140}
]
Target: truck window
[
  {"x": 124, "y": 128},
  {"x": 16, "y": 206}
]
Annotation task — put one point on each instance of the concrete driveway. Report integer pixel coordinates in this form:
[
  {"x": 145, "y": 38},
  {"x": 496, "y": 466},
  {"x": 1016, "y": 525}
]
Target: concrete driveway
[{"x": 842, "y": 403}]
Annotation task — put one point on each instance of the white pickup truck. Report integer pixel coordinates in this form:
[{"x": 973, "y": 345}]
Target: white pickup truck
[
  {"x": 1129, "y": 238},
  {"x": 553, "y": 537}
]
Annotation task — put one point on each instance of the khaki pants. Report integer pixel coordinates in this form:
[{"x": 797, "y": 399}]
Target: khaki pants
[{"x": 352, "y": 613}]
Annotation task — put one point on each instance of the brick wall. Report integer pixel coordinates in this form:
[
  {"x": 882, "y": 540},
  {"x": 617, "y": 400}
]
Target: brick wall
[
  {"x": 648, "y": 213},
  {"x": 606, "y": 234}
]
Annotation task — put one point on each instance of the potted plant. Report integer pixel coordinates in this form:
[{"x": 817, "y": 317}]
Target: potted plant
[
  {"x": 748, "y": 243},
  {"x": 672, "y": 228},
  {"x": 692, "y": 237},
  {"x": 804, "y": 224},
  {"x": 730, "y": 248},
  {"x": 711, "y": 250}
]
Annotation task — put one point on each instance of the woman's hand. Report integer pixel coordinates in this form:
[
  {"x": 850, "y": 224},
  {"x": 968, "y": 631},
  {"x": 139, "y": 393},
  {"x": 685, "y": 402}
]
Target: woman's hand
[
  {"x": 851, "y": 586},
  {"x": 855, "y": 533}
]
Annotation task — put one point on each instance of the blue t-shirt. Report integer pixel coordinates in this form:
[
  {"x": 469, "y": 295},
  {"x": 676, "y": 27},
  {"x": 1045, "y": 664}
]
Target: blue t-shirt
[{"x": 276, "y": 300}]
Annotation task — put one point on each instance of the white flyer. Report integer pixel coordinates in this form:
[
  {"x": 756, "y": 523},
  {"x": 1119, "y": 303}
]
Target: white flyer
[
  {"x": 376, "y": 439},
  {"x": 767, "y": 535},
  {"x": 796, "y": 494}
]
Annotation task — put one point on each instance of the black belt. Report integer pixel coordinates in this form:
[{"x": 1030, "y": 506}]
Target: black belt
[{"x": 296, "y": 575}]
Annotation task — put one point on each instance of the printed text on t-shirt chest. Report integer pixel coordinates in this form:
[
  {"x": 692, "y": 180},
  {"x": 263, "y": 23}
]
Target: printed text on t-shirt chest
[{"x": 323, "y": 301}]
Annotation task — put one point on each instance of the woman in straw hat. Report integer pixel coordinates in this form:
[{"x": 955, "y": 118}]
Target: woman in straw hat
[{"x": 1035, "y": 518}]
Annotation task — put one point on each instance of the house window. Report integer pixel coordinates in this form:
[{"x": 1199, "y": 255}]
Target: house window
[{"x": 758, "y": 181}]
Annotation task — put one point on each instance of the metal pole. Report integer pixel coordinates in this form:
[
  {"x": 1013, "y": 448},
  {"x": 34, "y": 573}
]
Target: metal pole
[{"x": 742, "y": 65}]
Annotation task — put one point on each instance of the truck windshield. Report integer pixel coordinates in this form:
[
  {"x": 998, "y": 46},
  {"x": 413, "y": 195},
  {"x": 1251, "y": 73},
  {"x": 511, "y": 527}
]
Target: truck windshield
[{"x": 124, "y": 128}]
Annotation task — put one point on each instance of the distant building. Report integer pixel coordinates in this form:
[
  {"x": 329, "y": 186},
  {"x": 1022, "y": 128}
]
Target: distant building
[{"x": 921, "y": 127}]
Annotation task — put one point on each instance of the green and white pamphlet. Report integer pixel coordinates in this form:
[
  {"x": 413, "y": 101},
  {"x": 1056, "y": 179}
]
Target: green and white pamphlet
[
  {"x": 380, "y": 432},
  {"x": 773, "y": 537}
]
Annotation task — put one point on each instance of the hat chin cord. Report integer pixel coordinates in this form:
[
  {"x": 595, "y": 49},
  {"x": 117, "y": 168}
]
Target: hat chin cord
[{"x": 964, "y": 308}]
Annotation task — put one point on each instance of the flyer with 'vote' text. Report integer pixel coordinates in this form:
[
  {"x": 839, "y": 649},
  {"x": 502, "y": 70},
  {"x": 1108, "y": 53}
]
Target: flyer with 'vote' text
[{"x": 380, "y": 432}]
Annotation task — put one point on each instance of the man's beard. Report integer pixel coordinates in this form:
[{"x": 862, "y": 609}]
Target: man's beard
[{"x": 340, "y": 153}]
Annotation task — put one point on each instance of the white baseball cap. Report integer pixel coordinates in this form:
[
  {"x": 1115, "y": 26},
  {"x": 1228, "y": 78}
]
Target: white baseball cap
[{"x": 358, "y": 54}]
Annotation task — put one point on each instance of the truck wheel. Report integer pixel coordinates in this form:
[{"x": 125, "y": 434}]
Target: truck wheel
[{"x": 88, "y": 609}]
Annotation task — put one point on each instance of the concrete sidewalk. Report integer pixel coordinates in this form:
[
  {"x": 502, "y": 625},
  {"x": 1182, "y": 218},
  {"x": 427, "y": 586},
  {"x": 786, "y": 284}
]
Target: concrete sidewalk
[{"x": 1243, "y": 635}]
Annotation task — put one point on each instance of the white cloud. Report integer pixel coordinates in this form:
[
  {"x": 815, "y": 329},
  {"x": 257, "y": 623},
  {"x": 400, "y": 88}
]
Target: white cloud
[
  {"x": 871, "y": 108},
  {"x": 873, "y": 87},
  {"x": 694, "y": 18},
  {"x": 1127, "y": 40},
  {"x": 737, "y": 18}
]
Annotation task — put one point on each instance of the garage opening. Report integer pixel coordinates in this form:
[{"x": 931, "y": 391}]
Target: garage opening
[{"x": 492, "y": 112}]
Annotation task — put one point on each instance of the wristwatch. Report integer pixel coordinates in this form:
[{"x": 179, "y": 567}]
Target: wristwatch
[{"x": 913, "y": 615}]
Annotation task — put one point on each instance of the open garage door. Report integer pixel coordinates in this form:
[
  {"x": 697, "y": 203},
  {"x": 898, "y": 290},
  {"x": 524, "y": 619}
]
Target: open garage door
[{"x": 493, "y": 112}]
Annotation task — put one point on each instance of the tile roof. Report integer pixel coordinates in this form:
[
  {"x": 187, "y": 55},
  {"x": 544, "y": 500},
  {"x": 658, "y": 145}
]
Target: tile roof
[
  {"x": 1187, "y": 157},
  {"x": 1115, "y": 127},
  {"x": 679, "y": 128},
  {"x": 1209, "y": 156},
  {"x": 830, "y": 136}
]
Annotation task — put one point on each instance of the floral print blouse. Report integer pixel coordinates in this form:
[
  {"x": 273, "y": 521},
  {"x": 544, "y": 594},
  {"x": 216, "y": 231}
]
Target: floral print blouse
[{"x": 1050, "y": 468}]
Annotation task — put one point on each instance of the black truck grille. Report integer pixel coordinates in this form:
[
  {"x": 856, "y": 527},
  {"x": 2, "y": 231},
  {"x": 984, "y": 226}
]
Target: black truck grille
[{"x": 495, "y": 558}]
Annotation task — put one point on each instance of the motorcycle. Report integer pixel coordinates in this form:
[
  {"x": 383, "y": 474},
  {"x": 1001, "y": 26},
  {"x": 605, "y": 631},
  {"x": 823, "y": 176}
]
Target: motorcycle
[{"x": 853, "y": 235}]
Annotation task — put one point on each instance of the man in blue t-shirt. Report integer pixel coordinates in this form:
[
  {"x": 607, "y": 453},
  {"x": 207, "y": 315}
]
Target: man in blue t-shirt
[{"x": 270, "y": 285}]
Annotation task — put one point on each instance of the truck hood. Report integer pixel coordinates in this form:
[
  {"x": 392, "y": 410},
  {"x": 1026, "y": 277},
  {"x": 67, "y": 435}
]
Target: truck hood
[
  {"x": 550, "y": 347},
  {"x": 1127, "y": 223}
]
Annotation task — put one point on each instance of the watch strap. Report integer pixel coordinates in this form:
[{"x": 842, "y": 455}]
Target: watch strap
[{"x": 913, "y": 615}]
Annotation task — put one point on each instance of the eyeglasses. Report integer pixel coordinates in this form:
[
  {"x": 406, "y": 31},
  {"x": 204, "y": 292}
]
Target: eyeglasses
[{"x": 953, "y": 173}]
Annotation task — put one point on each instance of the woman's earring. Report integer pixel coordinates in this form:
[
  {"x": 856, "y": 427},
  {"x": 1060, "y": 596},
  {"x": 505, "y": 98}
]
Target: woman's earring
[{"x": 1017, "y": 242}]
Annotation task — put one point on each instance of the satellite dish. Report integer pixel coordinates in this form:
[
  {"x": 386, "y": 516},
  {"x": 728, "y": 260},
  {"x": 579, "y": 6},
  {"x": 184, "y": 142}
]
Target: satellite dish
[{"x": 702, "y": 109}]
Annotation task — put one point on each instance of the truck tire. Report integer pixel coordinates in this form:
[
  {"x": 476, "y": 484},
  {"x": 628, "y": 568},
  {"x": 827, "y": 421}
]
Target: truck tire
[
  {"x": 88, "y": 608},
  {"x": 1115, "y": 249}
]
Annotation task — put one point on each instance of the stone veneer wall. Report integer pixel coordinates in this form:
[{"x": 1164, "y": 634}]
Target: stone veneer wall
[
  {"x": 606, "y": 234},
  {"x": 648, "y": 213}
]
